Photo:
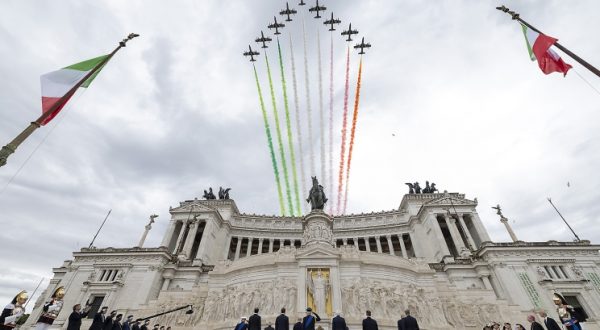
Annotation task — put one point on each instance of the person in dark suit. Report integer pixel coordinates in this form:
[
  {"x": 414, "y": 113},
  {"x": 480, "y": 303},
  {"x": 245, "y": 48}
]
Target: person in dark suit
[
  {"x": 108, "y": 322},
  {"x": 136, "y": 325},
  {"x": 298, "y": 325},
  {"x": 99, "y": 319},
  {"x": 282, "y": 322},
  {"x": 76, "y": 316},
  {"x": 368, "y": 323},
  {"x": 338, "y": 322},
  {"x": 127, "y": 323},
  {"x": 534, "y": 324},
  {"x": 254, "y": 321},
  {"x": 269, "y": 327},
  {"x": 309, "y": 321},
  {"x": 549, "y": 322},
  {"x": 145, "y": 326},
  {"x": 117, "y": 322},
  {"x": 408, "y": 322}
]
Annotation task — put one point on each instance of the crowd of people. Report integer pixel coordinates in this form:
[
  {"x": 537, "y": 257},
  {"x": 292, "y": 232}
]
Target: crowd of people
[
  {"x": 12, "y": 313},
  {"x": 309, "y": 322}
]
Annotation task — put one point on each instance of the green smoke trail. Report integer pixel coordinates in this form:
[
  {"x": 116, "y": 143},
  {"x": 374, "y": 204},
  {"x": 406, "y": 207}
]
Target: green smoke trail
[
  {"x": 270, "y": 140},
  {"x": 289, "y": 132},
  {"x": 280, "y": 141}
]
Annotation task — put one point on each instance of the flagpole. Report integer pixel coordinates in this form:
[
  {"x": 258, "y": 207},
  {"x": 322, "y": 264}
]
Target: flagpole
[
  {"x": 99, "y": 229},
  {"x": 515, "y": 16},
  {"x": 563, "y": 218},
  {"x": 10, "y": 148}
]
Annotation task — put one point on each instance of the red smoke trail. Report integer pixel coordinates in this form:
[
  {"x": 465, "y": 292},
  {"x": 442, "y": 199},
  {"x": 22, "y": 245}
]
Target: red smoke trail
[
  {"x": 356, "y": 99},
  {"x": 344, "y": 125}
]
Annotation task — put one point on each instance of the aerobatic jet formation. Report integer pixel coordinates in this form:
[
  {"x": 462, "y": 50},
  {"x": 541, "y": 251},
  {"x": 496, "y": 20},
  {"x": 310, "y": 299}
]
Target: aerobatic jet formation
[
  {"x": 318, "y": 9},
  {"x": 276, "y": 25},
  {"x": 331, "y": 22},
  {"x": 349, "y": 32},
  {"x": 263, "y": 39},
  {"x": 362, "y": 46},
  {"x": 251, "y": 53},
  {"x": 287, "y": 11}
]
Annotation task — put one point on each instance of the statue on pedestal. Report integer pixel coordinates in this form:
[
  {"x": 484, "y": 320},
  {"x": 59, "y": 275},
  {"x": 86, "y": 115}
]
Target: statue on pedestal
[{"x": 316, "y": 196}]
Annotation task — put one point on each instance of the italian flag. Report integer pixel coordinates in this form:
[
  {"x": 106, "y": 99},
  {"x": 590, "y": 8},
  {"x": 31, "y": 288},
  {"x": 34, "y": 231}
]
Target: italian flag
[
  {"x": 57, "y": 84},
  {"x": 538, "y": 45}
]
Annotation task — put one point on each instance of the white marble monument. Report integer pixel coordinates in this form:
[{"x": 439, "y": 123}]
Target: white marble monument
[{"x": 431, "y": 255}]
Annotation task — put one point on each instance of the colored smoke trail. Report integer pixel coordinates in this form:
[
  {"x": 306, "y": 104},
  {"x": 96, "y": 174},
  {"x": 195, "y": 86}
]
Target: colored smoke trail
[
  {"x": 270, "y": 142},
  {"x": 344, "y": 129},
  {"x": 289, "y": 132},
  {"x": 298, "y": 127},
  {"x": 354, "y": 117},
  {"x": 321, "y": 111},
  {"x": 330, "y": 177},
  {"x": 308, "y": 109},
  {"x": 280, "y": 141}
]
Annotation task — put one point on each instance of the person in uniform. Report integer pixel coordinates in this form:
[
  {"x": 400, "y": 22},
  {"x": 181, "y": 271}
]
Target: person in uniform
[
  {"x": 51, "y": 309},
  {"x": 242, "y": 325},
  {"x": 566, "y": 313},
  {"x": 13, "y": 311},
  {"x": 309, "y": 321},
  {"x": 76, "y": 316}
]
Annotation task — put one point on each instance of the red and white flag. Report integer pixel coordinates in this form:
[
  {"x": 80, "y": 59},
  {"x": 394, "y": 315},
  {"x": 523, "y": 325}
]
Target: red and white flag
[
  {"x": 57, "y": 84},
  {"x": 538, "y": 45}
]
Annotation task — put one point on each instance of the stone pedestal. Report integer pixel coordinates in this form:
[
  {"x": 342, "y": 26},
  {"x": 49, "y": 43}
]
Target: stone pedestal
[{"x": 318, "y": 229}]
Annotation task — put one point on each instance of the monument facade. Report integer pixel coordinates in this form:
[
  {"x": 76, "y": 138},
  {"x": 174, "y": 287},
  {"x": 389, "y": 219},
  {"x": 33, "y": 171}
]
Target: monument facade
[{"x": 431, "y": 255}]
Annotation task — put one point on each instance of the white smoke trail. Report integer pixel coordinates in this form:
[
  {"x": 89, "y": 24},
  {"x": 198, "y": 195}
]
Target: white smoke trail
[
  {"x": 331, "y": 189},
  {"x": 321, "y": 111},
  {"x": 308, "y": 109},
  {"x": 298, "y": 126}
]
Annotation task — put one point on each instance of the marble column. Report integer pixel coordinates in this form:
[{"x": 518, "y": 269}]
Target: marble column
[
  {"x": 206, "y": 242},
  {"x": 271, "y": 241},
  {"x": 191, "y": 236},
  {"x": 165, "y": 285},
  {"x": 389, "y": 240},
  {"x": 367, "y": 244},
  {"x": 444, "y": 250},
  {"x": 345, "y": 240},
  {"x": 260, "y": 245},
  {"x": 456, "y": 238},
  {"x": 402, "y": 246},
  {"x": 169, "y": 235},
  {"x": 180, "y": 238},
  {"x": 378, "y": 241},
  {"x": 249, "y": 249},
  {"x": 238, "y": 248},
  {"x": 486, "y": 282},
  {"x": 462, "y": 223},
  {"x": 228, "y": 248},
  {"x": 483, "y": 235}
]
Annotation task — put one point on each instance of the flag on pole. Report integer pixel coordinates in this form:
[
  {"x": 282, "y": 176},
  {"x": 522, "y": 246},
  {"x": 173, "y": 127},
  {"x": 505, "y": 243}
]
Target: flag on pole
[
  {"x": 57, "y": 84},
  {"x": 538, "y": 45}
]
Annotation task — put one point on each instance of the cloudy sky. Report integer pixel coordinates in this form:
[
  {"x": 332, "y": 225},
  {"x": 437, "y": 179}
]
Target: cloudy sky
[{"x": 449, "y": 95}]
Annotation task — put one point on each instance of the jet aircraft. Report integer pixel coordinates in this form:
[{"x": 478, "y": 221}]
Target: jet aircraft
[{"x": 251, "y": 53}]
